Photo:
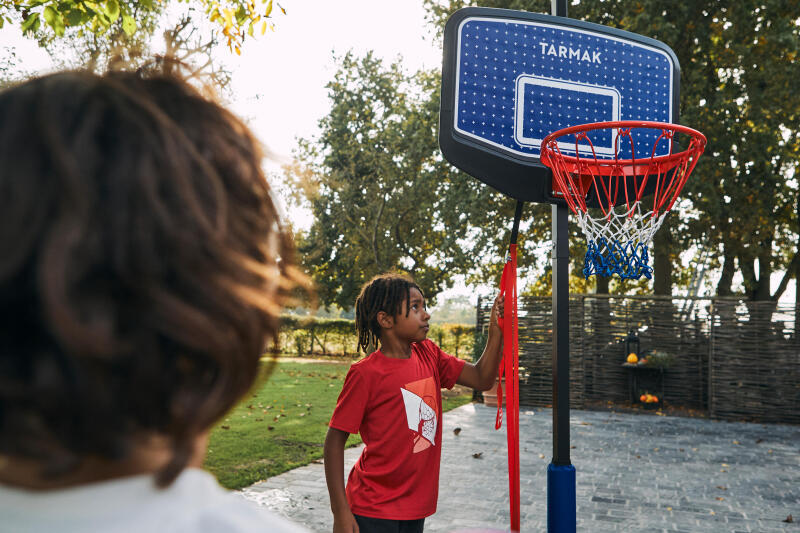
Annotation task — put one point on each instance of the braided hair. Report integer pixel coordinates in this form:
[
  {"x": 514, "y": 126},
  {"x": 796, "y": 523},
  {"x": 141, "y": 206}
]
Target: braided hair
[{"x": 385, "y": 292}]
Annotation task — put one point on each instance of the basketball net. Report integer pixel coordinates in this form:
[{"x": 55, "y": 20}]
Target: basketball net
[{"x": 623, "y": 224}]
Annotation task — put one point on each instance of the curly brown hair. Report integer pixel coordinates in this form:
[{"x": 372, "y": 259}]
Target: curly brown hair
[
  {"x": 143, "y": 265},
  {"x": 385, "y": 292}
]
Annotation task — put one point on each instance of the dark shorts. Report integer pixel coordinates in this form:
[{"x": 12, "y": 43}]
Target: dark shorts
[{"x": 382, "y": 525}]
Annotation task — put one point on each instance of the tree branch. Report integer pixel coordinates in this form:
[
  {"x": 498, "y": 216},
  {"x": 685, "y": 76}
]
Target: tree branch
[{"x": 788, "y": 275}]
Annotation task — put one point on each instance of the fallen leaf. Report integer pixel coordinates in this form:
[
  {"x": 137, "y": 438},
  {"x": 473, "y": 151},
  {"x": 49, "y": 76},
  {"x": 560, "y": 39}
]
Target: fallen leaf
[
  {"x": 456, "y": 431},
  {"x": 638, "y": 456},
  {"x": 725, "y": 464},
  {"x": 477, "y": 455},
  {"x": 572, "y": 447},
  {"x": 736, "y": 442},
  {"x": 669, "y": 508},
  {"x": 720, "y": 487},
  {"x": 789, "y": 519},
  {"x": 225, "y": 427},
  {"x": 259, "y": 419},
  {"x": 302, "y": 414},
  {"x": 270, "y": 428},
  {"x": 720, "y": 498}
]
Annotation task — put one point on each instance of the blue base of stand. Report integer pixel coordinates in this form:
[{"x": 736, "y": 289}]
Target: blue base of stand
[{"x": 561, "y": 499}]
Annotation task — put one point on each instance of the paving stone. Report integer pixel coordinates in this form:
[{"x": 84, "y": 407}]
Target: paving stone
[{"x": 634, "y": 473}]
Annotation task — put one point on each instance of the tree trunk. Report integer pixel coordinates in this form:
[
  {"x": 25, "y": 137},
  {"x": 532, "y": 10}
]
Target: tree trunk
[
  {"x": 726, "y": 278},
  {"x": 662, "y": 264},
  {"x": 602, "y": 285},
  {"x": 762, "y": 289}
]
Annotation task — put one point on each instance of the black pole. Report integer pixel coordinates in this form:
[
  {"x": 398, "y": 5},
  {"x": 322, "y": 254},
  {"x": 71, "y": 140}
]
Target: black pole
[
  {"x": 517, "y": 217},
  {"x": 560, "y": 335},
  {"x": 561, "y": 500},
  {"x": 558, "y": 8}
]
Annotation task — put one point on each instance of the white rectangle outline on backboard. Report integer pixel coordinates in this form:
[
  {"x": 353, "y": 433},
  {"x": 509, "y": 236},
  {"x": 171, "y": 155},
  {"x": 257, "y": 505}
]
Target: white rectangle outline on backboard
[
  {"x": 506, "y": 149},
  {"x": 519, "y": 111}
]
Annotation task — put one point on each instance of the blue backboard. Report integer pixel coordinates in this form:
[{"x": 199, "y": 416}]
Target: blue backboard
[{"x": 510, "y": 78}]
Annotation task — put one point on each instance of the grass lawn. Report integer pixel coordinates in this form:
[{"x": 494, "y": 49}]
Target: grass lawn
[{"x": 282, "y": 424}]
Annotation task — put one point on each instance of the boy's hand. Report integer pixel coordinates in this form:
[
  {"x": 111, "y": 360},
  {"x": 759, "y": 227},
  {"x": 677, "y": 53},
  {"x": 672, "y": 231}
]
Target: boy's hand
[
  {"x": 497, "y": 311},
  {"x": 345, "y": 522}
]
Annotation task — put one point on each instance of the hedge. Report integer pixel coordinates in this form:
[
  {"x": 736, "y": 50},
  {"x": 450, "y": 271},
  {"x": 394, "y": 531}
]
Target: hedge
[{"x": 303, "y": 336}]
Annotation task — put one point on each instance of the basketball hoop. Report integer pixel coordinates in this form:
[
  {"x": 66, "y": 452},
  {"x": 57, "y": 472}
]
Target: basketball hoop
[{"x": 624, "y": 223}]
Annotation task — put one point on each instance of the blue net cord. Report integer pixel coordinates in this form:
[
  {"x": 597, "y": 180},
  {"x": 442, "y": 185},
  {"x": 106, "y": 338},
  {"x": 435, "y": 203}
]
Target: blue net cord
[{"x": 628, "y": 260}]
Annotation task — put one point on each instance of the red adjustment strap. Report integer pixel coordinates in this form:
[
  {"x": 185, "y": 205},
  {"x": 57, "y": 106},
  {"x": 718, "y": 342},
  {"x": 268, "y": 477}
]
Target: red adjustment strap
[{"x": 509, "y": 369}]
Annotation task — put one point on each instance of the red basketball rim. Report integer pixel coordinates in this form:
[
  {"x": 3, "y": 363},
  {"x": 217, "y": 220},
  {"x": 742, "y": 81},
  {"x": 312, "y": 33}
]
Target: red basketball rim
[{"x": 648, "y": 164}]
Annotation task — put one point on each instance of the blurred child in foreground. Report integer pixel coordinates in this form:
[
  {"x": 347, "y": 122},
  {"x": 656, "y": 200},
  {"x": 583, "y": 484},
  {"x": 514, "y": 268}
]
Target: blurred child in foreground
[{"x": 143, "y": 265}]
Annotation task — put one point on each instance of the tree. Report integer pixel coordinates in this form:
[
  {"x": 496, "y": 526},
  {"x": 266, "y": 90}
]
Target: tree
[
  {"x": 49, "y": 19},
  {"x": 738, "y": 70},
  {"x": 381, "y": 194}
]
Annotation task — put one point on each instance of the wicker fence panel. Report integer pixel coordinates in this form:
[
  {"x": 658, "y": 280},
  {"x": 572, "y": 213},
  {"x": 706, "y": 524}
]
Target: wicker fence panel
[
  {"x": 755, "y": 362},
  {"x": 663, "y": 324},
  {"x": 740, "y": 360}
]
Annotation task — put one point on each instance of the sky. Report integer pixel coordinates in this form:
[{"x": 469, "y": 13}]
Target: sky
[{"x": 279, "y": 81}]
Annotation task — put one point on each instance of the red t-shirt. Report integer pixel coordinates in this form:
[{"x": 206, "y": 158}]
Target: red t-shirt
[{"x": 396, "y": 405}]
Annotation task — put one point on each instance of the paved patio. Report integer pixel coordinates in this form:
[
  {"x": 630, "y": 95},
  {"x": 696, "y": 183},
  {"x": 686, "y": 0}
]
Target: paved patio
[{"x": 635, "y": 472}]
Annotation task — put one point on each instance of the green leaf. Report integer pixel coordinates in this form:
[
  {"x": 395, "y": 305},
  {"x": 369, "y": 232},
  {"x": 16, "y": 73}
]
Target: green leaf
[
  {"x": 31, "y": 24},
  {"x": 50, "y": 15},
  {"x": 112, "y": 10},
  {"x": 128, "y": 24},
  {"x": 54, "y": 19},
  {"x": 74, "y": 17},
  {"x": 241, "y": 15}
]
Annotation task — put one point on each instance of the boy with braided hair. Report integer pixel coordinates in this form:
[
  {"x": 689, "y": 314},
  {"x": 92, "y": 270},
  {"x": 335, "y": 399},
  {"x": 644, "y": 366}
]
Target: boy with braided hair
[{"x": 393, "y": 399}]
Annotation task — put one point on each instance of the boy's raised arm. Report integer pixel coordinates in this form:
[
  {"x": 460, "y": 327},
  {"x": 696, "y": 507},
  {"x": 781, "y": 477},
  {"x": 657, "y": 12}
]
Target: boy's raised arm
[
  {"x": 482, "y": 374},
  {"x": 333, "y": 453}
]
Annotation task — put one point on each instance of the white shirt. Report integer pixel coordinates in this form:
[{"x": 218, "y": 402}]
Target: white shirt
[{"x": 193, "y": 503}]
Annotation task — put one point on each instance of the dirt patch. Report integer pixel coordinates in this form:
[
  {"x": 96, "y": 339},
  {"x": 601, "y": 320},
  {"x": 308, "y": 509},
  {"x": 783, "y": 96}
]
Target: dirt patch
[
  {"x": 457, "y": 390},
  {"x": 260, "y": 462}
]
